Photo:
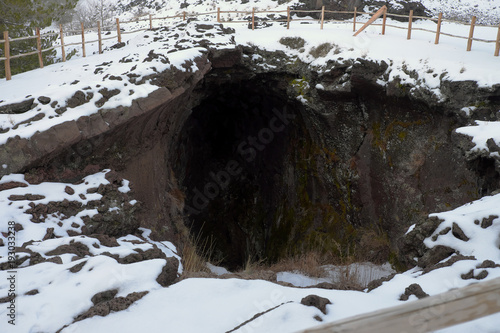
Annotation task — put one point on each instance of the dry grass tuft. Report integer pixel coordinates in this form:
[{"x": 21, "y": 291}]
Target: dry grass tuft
[
  {"x": 309, "y": 264},
  {"x": 196, "y": 252}
]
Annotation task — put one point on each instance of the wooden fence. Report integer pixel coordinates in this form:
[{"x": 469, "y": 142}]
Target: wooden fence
[
  {"x": 425, "y": 315},
  {"x": 251, "y": 19}
]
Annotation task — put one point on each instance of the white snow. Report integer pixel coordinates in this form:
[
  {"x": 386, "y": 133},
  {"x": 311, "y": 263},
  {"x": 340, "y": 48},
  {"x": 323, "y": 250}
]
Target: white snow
[
  {"x": 217, "y": 270},
  {"x": 481, "y": 133}
]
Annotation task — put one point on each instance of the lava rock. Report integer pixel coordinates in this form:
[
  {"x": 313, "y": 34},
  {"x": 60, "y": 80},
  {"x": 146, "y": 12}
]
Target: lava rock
[
  {"x": 69, "y": 190},
  {"x": 458, "y": 233},
  {"x": 32, "y": 292},
  {"x": 168, "y": 273},
  {"x": 106, "y": 240},
  {"x": 104, "y": 296},
  {"x": 114, "y": 304},
  {"x": 17, "y": 108},
  {"x": 488, "y": 264},
  {"x": 435, "y": 255},
  {"x": 44, "y": 100},
  {"x": 413, "y": 289},
  {"x": 49, "y": 234},
  {"x": 77, "y": 267},
  {"x": 488, "y": 221},
  {"x": 481, "y": 275},
  {"x": 77, "y": 99},
  {"x": 316, "y": 301},
  {"x": 81, "y": 250},
  {"x": 448, "y": 262}
]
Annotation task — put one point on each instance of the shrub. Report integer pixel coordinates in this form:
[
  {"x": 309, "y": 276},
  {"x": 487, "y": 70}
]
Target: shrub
[
  {"x": 322, "y": 50},
  {"x": 294, "y": 43}
]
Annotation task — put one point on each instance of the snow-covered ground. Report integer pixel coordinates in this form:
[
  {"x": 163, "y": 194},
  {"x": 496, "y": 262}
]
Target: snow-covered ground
[
  {"x": 61, "y": 287},
  {"x": 487, "y": 11}
]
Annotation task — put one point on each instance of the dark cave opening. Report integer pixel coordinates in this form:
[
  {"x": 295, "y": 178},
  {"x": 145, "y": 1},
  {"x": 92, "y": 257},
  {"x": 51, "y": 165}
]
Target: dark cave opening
[
  {"x": 489, "y": 178},
  {"x": 266, "y": 177},
  {"x": 232, "y": 155},
  {"x": 263, "y": 177}
]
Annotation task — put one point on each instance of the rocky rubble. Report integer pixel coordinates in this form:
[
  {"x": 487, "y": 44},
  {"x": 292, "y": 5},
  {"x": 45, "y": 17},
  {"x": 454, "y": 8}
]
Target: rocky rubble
[{"x": 71, "y": 226}]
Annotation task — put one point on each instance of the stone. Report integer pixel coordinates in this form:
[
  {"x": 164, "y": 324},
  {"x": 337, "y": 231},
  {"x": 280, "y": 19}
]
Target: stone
[
  {"x": 106, "y": 306},
  {"x": 55, "y": 139},
  {"x": 316, "y": 301},
  {"x": 141, "y": 255},
  {"x": 468, "y": 276},
  {"x": 481, "y": 275},
  {"x": 49, "y": 234},
  {"x": 413, "y": 289},
  {"x": 22, "y": 197},
  {"x": 11, "y": 185},
  {"x": 55, "y": 260},
  {"x": 104, "y": 296},
  {"x": 492, "y": 146},
  {"x": 488, "y": 264},
  {"x": 106, "y": 95},
  {"x": 77, "y": 267},
  {"x": 79, "y": 98},
  {"x": 32, "y": 292},
  {"x": 458, "y": 232},
  {"x": 72, "y": 233},
  {"x": 400, "y": 7},
  {"x": 106, "y": 240},
  {"x": 69, "y": 190},
  {"x": 37, "y": 117},
  {"x": 377, "y": 283},
  {"x": 221, "y": 59},
  {"x": 412, "y": 245},
  {"x": 44, "y": 100},
  {"x": 435, "y": 255},
  {"x": 447, "y": 263},
  {"x": 168, "y": 273},
  {"x": 17, "y": 108},
  {"x": 81, "y": 250},
  {"x": 487, "y": 222}
]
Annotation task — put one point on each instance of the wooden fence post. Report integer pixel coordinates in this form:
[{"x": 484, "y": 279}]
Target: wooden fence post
[
  {"x": 253, "y": 18},
  {"x": 322, "y": 16},
  {"x": 438, "y": 31},
  {"x": 119, "y": 33},
  {"x": 497, "y": 48},
  {"x": 218, "y": 14},
  {"x": 8, "y": 75},
  {"x": 39, "y": 47},
  {"x": 354, "y": 22},
  {"x": 99, "y": 36},
  {"x": 150, "y": 22},
  {"x": 409, "y": 24},
  {"x": 83, "y": 40},
  {"x": 184, "y": 16},
  {"x": 63, "y": 51},
  {"x": 288, "y": 17},
  {"x": 471, "y": 33},
  {"x": 375, "y": 16},
  {"x": 384, "y": 20}
]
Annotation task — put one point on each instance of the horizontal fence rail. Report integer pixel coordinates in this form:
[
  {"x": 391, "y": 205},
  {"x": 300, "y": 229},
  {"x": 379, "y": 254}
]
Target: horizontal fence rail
[
  {"x": 286, "y": 17},
  {"x": 425, "y": 315}
]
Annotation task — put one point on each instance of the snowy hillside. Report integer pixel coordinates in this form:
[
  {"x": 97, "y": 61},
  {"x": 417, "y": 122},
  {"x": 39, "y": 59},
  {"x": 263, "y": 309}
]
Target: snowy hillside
[{"x": 72, "y": 279}]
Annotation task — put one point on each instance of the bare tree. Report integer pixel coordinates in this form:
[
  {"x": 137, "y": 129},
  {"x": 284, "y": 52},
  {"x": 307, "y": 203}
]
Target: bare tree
[{"x": 91, "y": 11}]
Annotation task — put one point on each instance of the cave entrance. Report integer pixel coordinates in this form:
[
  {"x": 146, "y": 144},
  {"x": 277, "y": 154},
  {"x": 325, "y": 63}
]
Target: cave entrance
[{"x": 232, "y": 156}]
